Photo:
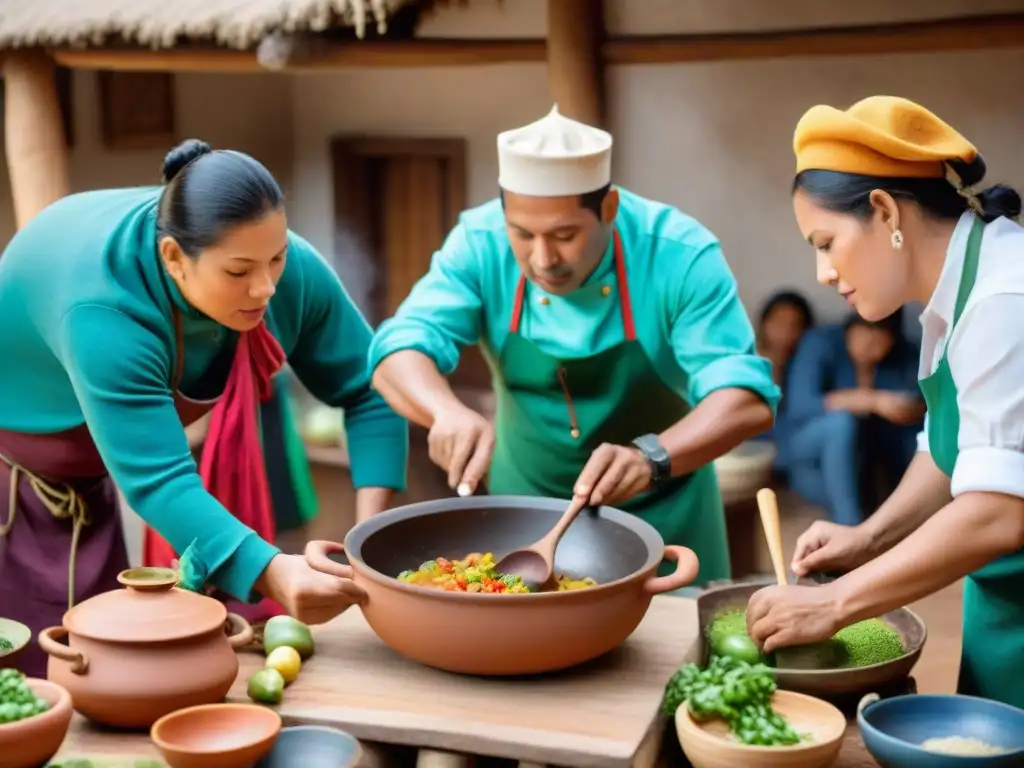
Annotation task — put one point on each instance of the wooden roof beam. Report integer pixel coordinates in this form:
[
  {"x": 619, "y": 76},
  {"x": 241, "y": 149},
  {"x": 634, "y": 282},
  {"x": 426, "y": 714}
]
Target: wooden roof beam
[{"x": 971, "y": 33}]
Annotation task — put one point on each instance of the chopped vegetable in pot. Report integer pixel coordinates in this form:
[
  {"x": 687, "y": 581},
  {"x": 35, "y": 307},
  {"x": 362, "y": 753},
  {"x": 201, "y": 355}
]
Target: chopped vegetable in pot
[
  {"x": 736, "y": 692},
  {"x": 476, "y": 573}
]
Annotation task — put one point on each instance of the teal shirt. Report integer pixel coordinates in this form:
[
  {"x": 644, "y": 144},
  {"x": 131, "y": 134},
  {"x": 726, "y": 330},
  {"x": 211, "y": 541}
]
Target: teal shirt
[
  {"x": 687, "y": 312},
  {"x": 88, "y": 336}
]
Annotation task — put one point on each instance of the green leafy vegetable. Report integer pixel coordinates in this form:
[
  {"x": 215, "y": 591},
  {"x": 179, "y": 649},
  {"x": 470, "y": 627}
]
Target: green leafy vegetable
[
  {"x": 735, "y": 691},
  {"x": 192, "y": 572}
]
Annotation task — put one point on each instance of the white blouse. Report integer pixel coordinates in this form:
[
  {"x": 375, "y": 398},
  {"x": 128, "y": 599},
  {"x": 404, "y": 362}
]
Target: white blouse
[{"x": 986, "y": 357}]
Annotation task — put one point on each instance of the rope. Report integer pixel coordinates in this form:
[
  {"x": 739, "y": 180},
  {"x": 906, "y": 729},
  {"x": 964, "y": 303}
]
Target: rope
[{"x": 61, "y": 500}]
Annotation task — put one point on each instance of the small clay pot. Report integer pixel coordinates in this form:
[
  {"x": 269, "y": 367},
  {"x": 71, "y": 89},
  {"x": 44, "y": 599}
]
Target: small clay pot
[
  {"x": 31, "y": 742},
  {"x": 134, "y": 655},
  {"x": 216, "y": 735}
]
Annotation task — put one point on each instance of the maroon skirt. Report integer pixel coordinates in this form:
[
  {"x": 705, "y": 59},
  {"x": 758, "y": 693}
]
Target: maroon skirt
[{"x": 36, "y": 538}]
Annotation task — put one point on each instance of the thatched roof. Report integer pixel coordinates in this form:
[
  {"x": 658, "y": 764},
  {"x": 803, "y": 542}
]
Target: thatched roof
[{"x": 163, "y": 23}]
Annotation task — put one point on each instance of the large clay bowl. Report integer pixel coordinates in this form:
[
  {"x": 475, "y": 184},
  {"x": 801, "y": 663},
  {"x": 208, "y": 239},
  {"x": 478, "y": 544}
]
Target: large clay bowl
[
  {"x": 216, "y": 735},
  {"x": 504, "y": 634},
  {"x": 825, "y": 683},
  {"x": 19, "y": 637},
  {"x": 708, "y": 745},
  {"x": 33, "y": 741}
]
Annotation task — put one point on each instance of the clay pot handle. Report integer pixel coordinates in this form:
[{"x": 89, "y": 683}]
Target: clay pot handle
[
  {"x": 48, "y": 642},
  {"x": 241, "y": 631},
  {"x": 317, "y": 557},
  {"x": 685, "y": 572}
]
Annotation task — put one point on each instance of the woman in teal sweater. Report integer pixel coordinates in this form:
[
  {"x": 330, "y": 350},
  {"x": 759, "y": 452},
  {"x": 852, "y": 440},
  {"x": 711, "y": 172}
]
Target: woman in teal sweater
[{"x": 122, "y": 311}]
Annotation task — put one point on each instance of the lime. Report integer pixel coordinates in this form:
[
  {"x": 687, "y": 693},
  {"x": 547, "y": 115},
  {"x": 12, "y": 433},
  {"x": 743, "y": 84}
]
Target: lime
[
  {"x": 739, "y": 647},
  {"x": 284, "y": 630},
  {"x": 285, "y": 660},
  {"x": 266, "y": 686}
]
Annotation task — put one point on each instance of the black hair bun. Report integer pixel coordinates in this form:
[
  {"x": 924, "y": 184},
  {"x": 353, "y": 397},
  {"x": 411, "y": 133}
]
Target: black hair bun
[
  {"x": 970, "y": 173},
  {"x": 182, "y": 155}
]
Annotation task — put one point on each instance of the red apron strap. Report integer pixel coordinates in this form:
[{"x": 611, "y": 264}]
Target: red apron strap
[
  {"x": 627, "y": 307},
  {"x": 628, "y": 325},
  {"x": 517, "y": 306}
]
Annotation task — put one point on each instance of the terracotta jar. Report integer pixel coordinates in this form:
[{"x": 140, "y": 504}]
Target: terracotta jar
[{"x": 133, "y": 655}]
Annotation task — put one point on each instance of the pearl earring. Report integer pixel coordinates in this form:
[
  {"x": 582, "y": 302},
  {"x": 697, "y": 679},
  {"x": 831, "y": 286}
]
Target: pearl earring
[{"x": 897, "y": 239}]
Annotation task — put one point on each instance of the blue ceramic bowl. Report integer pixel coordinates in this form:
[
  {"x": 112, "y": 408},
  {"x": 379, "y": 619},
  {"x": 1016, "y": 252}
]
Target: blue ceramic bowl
[
  {"x": 893, "y": 730},
  {"x": 312, "y": 746}
]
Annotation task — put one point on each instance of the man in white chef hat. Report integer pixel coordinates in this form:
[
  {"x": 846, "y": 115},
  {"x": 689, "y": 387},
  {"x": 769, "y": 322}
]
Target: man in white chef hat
[{"x": 623, "y": 360}]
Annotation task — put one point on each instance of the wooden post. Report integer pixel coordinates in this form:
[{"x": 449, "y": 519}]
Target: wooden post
[
  {"x": 575, "y": 68},
  {"x": 37, "y": 153}
]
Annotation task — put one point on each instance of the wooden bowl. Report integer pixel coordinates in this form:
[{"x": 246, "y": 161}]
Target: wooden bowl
[
  {"x": 709, "y": 745},
  {"x": 33, "y": 741},
  {"x": 19, "y": 635},
  {"x": 216, "y": 735}
]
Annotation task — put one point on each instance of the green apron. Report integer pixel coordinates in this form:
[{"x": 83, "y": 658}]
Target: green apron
[
  {"x": 552, "y": 414},
  {"x": 993, "y": 613}
]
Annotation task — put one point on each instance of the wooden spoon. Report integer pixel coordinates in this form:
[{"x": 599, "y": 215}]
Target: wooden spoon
[
  {"x": 815, "y": 656},
  {"x": 535, "y": 564}
]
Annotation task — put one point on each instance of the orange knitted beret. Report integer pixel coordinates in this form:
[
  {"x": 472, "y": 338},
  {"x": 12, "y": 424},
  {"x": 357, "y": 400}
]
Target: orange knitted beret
[{"x": 879, "y": 136}]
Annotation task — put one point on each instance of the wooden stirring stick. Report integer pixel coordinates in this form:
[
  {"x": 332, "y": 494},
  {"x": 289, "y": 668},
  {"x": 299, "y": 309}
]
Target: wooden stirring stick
[{"x": 768, "y": 506}]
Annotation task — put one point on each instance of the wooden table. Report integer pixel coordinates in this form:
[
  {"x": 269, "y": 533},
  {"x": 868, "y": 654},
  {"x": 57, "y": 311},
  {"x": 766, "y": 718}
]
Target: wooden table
[{"x": 602, "y": 715}]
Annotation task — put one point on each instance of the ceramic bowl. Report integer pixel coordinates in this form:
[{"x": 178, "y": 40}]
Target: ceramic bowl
[
  {"x": 707, "y": 744},
  {"x": 216, "y": 735},
  {"x": 312, "y": 746},
  {"x": 33, "y": 741},
  {"x": 19, "y": 636},
  {"x": 893, "y": 729}
]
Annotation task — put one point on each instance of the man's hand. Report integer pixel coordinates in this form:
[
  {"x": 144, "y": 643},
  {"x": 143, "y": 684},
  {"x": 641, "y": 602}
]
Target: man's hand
[
  {"x": 614, "y": 474},
  {"x": 461, "y": 442},
  {"x": 899, "y": 408}
]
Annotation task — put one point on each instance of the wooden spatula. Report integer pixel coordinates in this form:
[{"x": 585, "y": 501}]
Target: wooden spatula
[{"x": 535, "y": 564}]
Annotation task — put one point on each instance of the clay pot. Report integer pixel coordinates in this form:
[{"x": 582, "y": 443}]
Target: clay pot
[
  {"x": 134, "y": 655},
  {"x": 534, "y": 633},
  {"x": 31, "y": 742}
]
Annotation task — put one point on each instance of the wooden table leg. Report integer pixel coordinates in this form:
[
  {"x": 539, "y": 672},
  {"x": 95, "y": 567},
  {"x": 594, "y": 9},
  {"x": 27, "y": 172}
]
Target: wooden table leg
[{"x": 431, "y": 758}]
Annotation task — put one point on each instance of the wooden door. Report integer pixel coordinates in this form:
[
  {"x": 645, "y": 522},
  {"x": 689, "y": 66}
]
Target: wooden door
[{"x": 395, "y": 202}]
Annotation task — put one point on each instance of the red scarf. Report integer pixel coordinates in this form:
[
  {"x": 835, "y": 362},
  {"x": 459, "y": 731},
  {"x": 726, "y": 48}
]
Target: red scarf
[{"x": 232, "y": 465}]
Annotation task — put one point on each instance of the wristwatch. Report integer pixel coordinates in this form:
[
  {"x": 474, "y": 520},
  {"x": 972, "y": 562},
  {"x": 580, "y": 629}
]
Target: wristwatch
[{"x": 661, "y": 463}]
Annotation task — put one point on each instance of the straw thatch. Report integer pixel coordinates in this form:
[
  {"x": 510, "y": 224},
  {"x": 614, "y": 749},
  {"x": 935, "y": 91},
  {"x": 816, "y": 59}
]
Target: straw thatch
[{"x": 236, "y": 24}]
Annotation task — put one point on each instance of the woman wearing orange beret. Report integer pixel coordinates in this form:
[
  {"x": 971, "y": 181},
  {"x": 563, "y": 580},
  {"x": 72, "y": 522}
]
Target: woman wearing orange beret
[{"x": 885, "y": 193}]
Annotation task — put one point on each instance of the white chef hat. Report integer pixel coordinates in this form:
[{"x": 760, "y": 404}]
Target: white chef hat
[{"x": 554, "y": 157}]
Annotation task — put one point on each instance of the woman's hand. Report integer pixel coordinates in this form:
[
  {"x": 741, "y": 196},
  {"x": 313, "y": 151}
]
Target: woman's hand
[
  {"x": 899, "y": 408},
  {"x": 830, "y": 547},
  {"x": 860, "y": 402},
  {"x": 778, "y": 617},
  {"x": 309, "y": 595},
  {"x": 613, "y": 474}
]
